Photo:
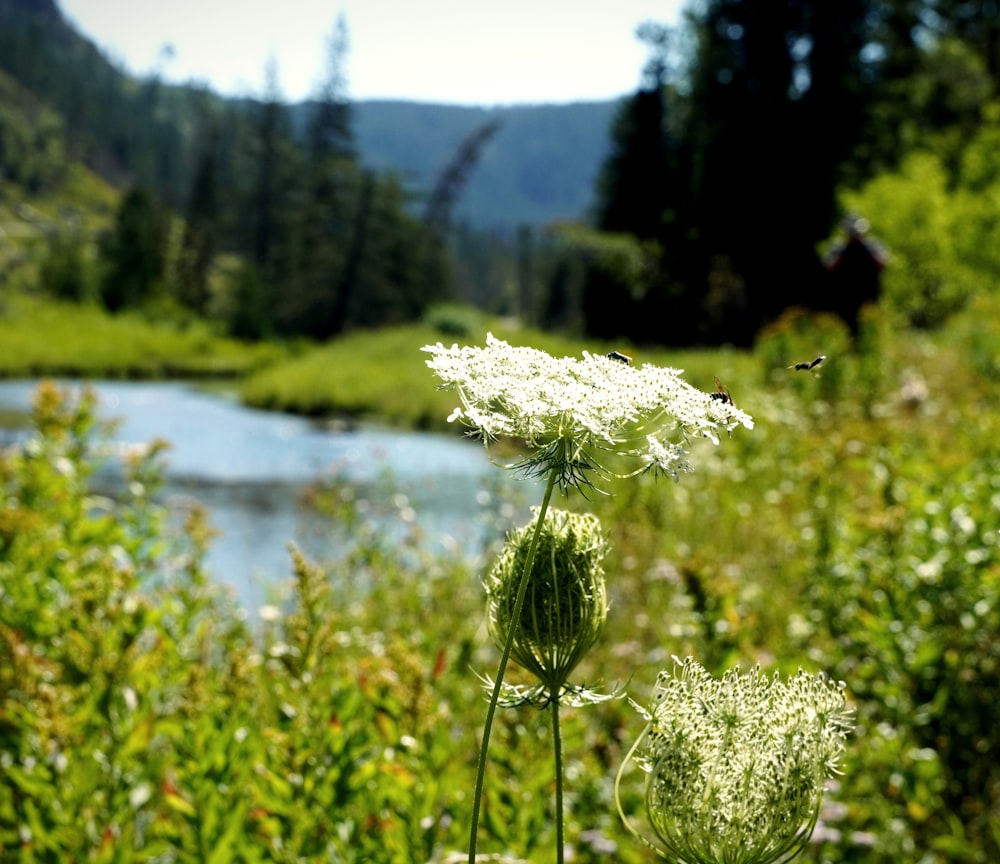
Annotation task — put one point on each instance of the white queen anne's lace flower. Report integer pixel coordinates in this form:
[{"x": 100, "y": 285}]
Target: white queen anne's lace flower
[
  {"x": 735, "y": 767},
  {"x": 573, "y": 413}
]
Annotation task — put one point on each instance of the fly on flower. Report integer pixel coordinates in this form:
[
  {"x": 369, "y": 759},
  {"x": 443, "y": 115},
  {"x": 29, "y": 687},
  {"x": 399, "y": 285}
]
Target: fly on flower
[
  {"x": 721, "y": 394},
  {"x": 621, "y": 358}
]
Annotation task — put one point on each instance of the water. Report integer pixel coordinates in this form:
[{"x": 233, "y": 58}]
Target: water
[{"x": 250, "y": 469}]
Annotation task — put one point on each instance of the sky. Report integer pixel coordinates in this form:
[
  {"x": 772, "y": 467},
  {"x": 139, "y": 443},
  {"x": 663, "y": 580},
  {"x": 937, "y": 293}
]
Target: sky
[{"x": 462, "y": 52}]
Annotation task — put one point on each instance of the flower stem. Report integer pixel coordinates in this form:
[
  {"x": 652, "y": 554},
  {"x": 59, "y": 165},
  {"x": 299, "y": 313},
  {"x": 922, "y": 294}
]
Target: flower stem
[
  {"x": 557, "y": 752},
  {"x": 522, "y": 590}
]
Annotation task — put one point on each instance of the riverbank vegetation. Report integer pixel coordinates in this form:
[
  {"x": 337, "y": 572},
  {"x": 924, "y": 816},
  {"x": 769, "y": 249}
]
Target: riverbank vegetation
[
  {"x": 41, "y": 337},
  {"x": 368, "y": 374},
  {"x": 854, "y": 530}
]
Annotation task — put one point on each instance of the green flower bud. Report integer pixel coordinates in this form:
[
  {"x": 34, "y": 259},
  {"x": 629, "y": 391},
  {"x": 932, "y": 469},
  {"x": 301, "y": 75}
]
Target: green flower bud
[{"x": 565, "y": 605}]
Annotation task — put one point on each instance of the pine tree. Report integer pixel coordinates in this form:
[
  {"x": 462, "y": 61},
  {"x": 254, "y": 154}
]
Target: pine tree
[
  {"x": 201, "y": 229},
  {"x": 134, "y": 254},
  {"x": 335, "y": 194}
]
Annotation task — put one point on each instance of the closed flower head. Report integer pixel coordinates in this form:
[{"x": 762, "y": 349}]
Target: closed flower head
[
  {"x": 574, "y": 413},
  {"x": 735, "y": 767},
  {"x": 565, "y": 605}
]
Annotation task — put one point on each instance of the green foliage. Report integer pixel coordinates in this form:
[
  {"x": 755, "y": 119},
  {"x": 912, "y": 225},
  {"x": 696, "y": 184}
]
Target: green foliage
[
  {"x": 65, "y": 273},
  {"x": 907, "y": 612},
  {"x": 856, "y": 534},
  {"x": 925, "y": 224},
  {"x": 32, "y": 140},
  {"x": 854, "y": 530},
  {"x": 46, "y": 338},
  {"x": 939, "y": 222},
  {"x": 451, "y": 319},
  {"x": 141, "y": 719}
]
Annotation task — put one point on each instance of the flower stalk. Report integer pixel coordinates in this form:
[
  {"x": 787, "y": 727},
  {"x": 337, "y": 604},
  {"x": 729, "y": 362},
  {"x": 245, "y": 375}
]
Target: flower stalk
[{"x": 522, "y": 589}]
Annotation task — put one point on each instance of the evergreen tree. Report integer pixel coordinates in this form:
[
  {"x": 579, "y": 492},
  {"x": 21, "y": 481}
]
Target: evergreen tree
[
  {"x": 631, "y": 184},
  {"x": 268, "y": 212},
  {"x": 335, "y": 194},
  {"x": 134, "y": 254},
  {"x": 201, "y": 230},
  {"x": 733, "y": 170}
]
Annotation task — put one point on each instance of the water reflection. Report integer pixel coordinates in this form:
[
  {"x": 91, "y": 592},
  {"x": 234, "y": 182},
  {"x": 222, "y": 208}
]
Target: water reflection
[{"x": 250, "y": 469}]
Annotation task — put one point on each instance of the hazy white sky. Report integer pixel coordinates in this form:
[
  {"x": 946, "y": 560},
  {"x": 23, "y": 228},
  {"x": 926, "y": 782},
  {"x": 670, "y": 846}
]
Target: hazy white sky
[{"x": 477, "y": 52}]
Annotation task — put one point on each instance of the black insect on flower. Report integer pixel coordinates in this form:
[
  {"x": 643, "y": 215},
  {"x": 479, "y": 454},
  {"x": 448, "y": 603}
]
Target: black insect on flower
[
  {"x": 621, "y": 358},
  {"x": 809, "y": 364},
  {"x": 722, "y": 394}
]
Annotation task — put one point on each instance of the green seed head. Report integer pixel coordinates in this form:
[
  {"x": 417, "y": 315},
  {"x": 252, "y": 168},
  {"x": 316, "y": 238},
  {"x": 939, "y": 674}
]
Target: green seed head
[{"x": 565, "y": 605}]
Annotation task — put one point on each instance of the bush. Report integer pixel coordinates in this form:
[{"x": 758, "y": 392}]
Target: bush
[{"x": 65, "y": 273}]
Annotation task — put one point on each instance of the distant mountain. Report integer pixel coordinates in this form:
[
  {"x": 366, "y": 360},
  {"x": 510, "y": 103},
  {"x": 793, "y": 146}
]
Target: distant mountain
[{"x": 540, "y": 166}]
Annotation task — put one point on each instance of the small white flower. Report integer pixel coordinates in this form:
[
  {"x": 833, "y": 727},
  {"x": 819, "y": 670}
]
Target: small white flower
[{"x": 573, "y": 413}]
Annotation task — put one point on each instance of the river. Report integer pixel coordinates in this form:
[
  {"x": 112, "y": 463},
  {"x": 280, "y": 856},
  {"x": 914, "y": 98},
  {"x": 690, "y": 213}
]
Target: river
[{"x": 251, "y": 469}]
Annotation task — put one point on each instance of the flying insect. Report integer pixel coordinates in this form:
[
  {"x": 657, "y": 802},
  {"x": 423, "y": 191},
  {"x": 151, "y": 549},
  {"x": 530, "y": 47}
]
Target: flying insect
[{"x": 809, "y": 364}]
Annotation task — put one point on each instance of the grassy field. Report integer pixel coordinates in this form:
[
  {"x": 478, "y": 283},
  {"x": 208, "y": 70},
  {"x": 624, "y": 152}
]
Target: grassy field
[
  {"x": 854, "y": 530},
  {"x": 43, "y": 338}
]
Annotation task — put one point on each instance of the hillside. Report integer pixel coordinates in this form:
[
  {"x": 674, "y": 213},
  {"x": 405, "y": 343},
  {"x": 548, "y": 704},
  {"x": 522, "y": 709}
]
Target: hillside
[{"x": 540, "y": 166}]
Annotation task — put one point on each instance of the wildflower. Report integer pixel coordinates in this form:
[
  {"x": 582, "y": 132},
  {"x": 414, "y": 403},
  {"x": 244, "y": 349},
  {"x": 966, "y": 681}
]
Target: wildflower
[
  {"x": 564, "y": 608},
  {"x": 736, "y": 767},
  {"x": 574, "y": 413},
  {"x": 579, "y": 419}
]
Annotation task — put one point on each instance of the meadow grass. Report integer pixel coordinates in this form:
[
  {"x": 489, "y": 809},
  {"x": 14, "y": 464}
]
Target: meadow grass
[
  {"x": 382, "y": 374},
  {"x": 69, "y": 340}
]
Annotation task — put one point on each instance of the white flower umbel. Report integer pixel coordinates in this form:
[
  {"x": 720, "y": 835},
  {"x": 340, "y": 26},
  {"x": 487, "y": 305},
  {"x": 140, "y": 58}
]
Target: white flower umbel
[
  {"x": 735, "y": 767},
  {"x": 574, "y": 413}
]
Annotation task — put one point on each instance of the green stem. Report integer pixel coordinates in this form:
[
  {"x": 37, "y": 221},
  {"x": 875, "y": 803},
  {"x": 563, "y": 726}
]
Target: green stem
[
  {"x": 557, "y": 751},
  {"x": 522, "y": 590}
]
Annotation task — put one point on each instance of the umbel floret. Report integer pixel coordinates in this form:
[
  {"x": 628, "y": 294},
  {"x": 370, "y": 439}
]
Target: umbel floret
[
  {"x": 565, "y": 605},
  {"x": 735, "y": 767},
  {"x": 573, "y": 414}
]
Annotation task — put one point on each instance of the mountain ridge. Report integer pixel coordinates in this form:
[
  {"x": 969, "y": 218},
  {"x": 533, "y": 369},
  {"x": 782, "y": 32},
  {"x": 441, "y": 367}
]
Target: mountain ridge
[{"x": 541, "y": 165}]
